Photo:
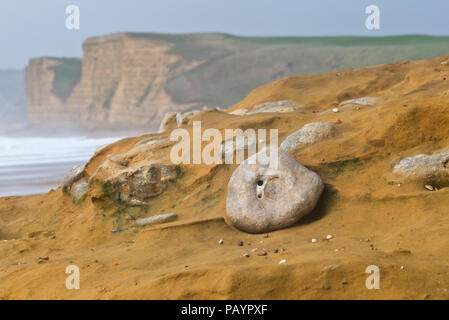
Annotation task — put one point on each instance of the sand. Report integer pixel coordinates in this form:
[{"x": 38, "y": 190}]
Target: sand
[{"x": 401, "y": 228}]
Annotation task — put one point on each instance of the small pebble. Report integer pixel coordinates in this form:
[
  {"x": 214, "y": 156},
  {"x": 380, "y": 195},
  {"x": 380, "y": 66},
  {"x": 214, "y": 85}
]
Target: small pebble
[
  {"x": 345, "y": 282},
  {"x": 115, "y": 230},
  {"x": 220, "y": 242},
  {"x": 338, "y": 121},
  {"x": 329, "y": 236},
  {"x": 254, "y": 250},
  {"x": 429, "y": 187},
  {"x": 326, "y": 287},
  {"x": 276, "y": 251},
  {"x": 282, "y": 261},
  {"x": 246, "y": 255},
  {"x": 402, "y": 267},
  {"x": 240, "y": 244},
  {"x": 314, "y": 240},
  {"x": 335, "y": 110},
  {"x": 262, "y": 253}
]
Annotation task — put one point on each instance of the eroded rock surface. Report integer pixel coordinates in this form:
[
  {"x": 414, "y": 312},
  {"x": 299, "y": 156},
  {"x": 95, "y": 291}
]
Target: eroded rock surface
[
  {"x": 262, "y": 199},
  {"x": 140, "y": 182}
]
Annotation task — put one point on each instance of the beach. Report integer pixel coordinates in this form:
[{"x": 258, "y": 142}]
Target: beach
[{"x": 32, "y": 165}]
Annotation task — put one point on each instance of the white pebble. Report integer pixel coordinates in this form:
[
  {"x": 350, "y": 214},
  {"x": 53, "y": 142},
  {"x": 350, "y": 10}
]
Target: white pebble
[
  {"x": 282, "y": 261},
  {"x": 314, "y": 240},
  {"x": 335, "y": 110},
  {"x": 221, "y": 241},
  {"x": 428, "y": 187},
  {"x": 329, "y": 236},
  {"x": 402, "y": 267}
]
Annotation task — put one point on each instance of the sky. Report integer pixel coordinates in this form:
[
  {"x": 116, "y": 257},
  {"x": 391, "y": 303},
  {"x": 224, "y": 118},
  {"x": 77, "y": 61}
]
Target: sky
[{"x": 34, "y": 28}]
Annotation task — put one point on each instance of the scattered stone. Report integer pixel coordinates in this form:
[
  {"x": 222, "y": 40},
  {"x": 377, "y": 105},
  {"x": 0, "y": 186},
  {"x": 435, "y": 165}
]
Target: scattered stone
[
  {"x": 240, "y": 243},
  {"x": 42, "y": 259},
  {"x": 345, "y": 283},
  {"x": 429, "y": 187},
  {"x": 161, "y": 218},
  {"x": 262, "y": 199},
  {"x": 282, "y": 261},
  {"x": 329, "y": 237},
  {"x": 328, "y": 268},
  {"x": 314, "y": 240},
  {"x": 429, "y": 169},
  {"x": 275, "y": 251},
  {"x": 336, "y": 110},
  {"x": 79, "y": 190},
  {"x": 254, "y": 250},
  {"x": 169, "y": 118},
  {"x": 246, "y": 255},
  {"x": 116, "y": 230},
  {"x": 402, "y": 268},
  {"x": 365, "y": 101},
  {"x": 185, "y": 117},
  {"x": 220, "y": 242},
  {"x": 262, "y": 253},
  {"x": 239, "y": 112},
  {"x": 278, "y": 106},
  {"x": 135, "y": 202},
  {"x": 309, "y": 134},
  {"x": 72, "y": 176}
]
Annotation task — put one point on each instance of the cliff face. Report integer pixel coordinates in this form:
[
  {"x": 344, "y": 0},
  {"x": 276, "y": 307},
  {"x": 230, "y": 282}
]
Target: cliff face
[
  {"x": 122, "y": 81},
  {"x": 12, "y": 96},
  {"x": 42, "y": 103},
  {"x": 133, "y": 79}
]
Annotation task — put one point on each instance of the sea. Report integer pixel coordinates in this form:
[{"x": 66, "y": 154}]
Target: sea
[{"x": 33, "y": 165}]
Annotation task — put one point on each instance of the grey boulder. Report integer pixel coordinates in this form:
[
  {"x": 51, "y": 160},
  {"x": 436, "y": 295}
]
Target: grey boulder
[
  {"x": 424, "y": 168},
  {"x": 162, "y": 218},
  {"x": 310, "y": 133},
  {"x": 262, "y": 198}
]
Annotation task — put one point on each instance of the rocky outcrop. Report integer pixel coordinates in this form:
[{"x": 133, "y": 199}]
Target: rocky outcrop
[
  {"x": 310, "y": 133},
  {"x": 161, "y": 218}
]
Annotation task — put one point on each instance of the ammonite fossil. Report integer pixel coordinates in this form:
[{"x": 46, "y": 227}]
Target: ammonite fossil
[{"x": 262, "y": 199}]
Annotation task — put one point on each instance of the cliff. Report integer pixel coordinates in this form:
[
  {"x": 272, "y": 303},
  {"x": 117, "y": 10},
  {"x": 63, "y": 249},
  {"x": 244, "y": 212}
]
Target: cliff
[{"x": 133, "y": 79}]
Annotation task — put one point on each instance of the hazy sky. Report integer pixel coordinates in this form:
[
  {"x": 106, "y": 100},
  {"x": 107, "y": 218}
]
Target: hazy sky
[{"x": 32, "y": 28}]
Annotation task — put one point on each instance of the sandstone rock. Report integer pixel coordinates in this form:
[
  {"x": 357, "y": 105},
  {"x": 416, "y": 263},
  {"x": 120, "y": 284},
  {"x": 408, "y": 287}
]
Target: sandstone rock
[
  {"x": 72, "y": 176},
  {"x": 79, "y": 190},
  {"x": 168, "y": 119},
  {"x": 184, "y": 117},
  {"x": 365, "y": 101},
  {"x": 140, "y": 182},
  {"x": 162, "y": 218},
  {"x": 262, "y": 199},
  {"x": 310, "y": 133},
  {"x": 431, "y": 169}
]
